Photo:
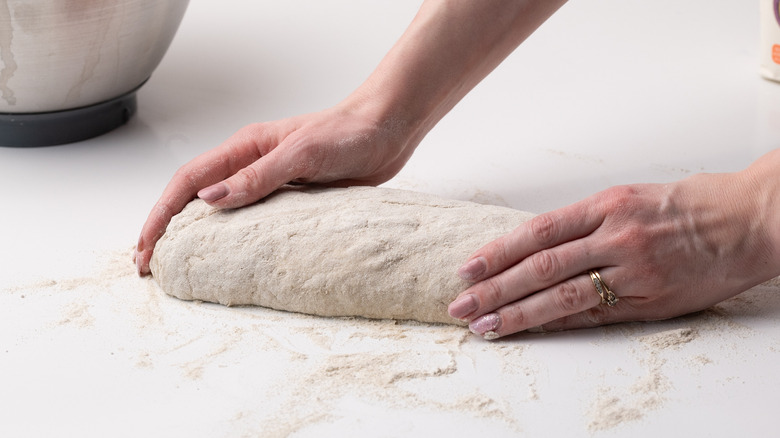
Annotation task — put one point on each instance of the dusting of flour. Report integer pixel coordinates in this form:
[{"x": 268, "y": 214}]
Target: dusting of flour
[
  {"x": 269, "y": 373},
  {"x": 689, "y": 338},
  {"x": 647, "y": 392}
]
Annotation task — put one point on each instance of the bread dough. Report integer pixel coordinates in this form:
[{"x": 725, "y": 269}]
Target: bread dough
[{"x": 358, "y": 251}]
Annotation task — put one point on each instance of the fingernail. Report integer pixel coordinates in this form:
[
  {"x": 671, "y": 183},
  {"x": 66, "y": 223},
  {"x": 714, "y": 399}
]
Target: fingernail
[
  {"x": 212, "y": 193},
  {"x": 473, "y": 268},
  {"x": 486, "y": 325},
  {"x": 463, "y": 306}
]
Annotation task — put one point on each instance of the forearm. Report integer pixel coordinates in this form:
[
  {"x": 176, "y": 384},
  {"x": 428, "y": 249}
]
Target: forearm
[{"x": 448, "y": 49}]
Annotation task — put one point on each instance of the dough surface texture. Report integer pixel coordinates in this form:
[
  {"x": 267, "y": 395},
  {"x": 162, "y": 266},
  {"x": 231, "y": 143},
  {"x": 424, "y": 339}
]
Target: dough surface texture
[{"x": 358, "y": 251}]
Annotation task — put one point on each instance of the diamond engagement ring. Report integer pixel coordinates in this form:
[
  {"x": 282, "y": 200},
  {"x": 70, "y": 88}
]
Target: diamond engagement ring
[{"x": 607, "y": 296}]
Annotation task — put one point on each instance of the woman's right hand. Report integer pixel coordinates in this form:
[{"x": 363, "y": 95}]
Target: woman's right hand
[{"x": 339, "y": 146}]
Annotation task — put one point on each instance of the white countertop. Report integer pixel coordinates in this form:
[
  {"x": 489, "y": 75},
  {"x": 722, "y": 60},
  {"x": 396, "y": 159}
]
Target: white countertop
[{"x": 606, "y": 92}]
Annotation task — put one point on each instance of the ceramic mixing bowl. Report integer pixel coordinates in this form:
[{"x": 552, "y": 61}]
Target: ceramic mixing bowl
[{"x": 69, "y": 69}]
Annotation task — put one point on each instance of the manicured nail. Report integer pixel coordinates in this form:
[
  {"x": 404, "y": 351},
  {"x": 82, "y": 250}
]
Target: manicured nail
[
  {"x": 463, "y": 306},
  {"x": 486, "y": 325},
  {"x": 473, "y": 269},
  {"x": 212, "y": 193}
]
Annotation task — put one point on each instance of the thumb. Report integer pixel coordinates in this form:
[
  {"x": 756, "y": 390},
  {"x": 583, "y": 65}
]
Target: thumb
[{"x": 255, "y": 181}]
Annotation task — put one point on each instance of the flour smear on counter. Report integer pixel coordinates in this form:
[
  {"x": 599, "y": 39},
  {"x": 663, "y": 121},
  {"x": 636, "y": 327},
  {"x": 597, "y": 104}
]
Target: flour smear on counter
[{"x": 248, "y": 370}]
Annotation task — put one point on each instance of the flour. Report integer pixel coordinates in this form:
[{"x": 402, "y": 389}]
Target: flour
[
  {"x": 647, "y": 393},
  {"x": 615, "y": 406},
  {"x": 278, "y": 374},
  {"x": 670, "y": 339}
]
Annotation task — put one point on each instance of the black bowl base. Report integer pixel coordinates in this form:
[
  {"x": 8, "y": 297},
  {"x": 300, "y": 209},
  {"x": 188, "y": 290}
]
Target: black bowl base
[{"x": 67, "y": 126}]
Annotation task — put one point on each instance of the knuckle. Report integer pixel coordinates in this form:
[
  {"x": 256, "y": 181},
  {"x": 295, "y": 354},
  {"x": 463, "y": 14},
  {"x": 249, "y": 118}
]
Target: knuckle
[
  {"x": 255, "y": 131},
  {"x": 544, "y": 229},
  {"x": 544, "y": 266},
  {"x": 570, "y": 298},
  {"x": 596, "y": 316},
  {"x": 161, "y": 213},
  {"x": 621, "y": 197},
  {"x": 490, "y": 292},
  {"x": 187, "y": 176},
  {"x": 497, "y": 253},
  {"x": 262, "y": 137},
  {"x": 248, "y": 177},
  {"x": 513, "y": 319},
  {"x": 249, "y": 131}
]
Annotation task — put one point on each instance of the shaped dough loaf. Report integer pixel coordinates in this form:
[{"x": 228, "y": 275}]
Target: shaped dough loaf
[{"x": 358, "y": 251}]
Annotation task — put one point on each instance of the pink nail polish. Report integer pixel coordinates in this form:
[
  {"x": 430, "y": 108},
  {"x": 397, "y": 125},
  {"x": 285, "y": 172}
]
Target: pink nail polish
[
  {"x": 484, "y": 324},
  {"x": 213, "y": 193},
  {"x": 473, "y": 269},
  {"x": 463, "y": 306}
]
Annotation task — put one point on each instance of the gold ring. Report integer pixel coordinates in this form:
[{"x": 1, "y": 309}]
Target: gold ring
[{"x": 607, "y": 296}]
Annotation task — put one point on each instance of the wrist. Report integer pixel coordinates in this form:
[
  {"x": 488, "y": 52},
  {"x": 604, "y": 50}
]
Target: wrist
[{"x": 391, "y": 117}]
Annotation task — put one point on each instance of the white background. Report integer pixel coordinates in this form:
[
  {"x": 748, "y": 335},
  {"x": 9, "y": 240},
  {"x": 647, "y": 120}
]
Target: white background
[{"x": 607, "y": 92}]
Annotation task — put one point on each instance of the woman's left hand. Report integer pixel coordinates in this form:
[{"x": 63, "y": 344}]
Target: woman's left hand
[{"x": 663, "y": 249}]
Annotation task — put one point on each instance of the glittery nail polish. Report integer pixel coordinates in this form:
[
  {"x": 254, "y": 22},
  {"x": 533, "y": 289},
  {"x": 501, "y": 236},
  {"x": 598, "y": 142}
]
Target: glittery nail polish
[{"x": 486, "y": 323}]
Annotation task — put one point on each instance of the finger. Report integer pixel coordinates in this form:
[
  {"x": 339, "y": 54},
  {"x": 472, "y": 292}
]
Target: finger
[
  {"x": 576, "y": 296},
  {"x": 542, "y": 232},
  {"x": 153, "y": 229},
  {"x": 176, "y": 195},
  {"x": 537, "y": 272},
  {"x": 629, "y": 308},
  {"x": 258, "y": 179},
  {"x": 208, "y": 168}
]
